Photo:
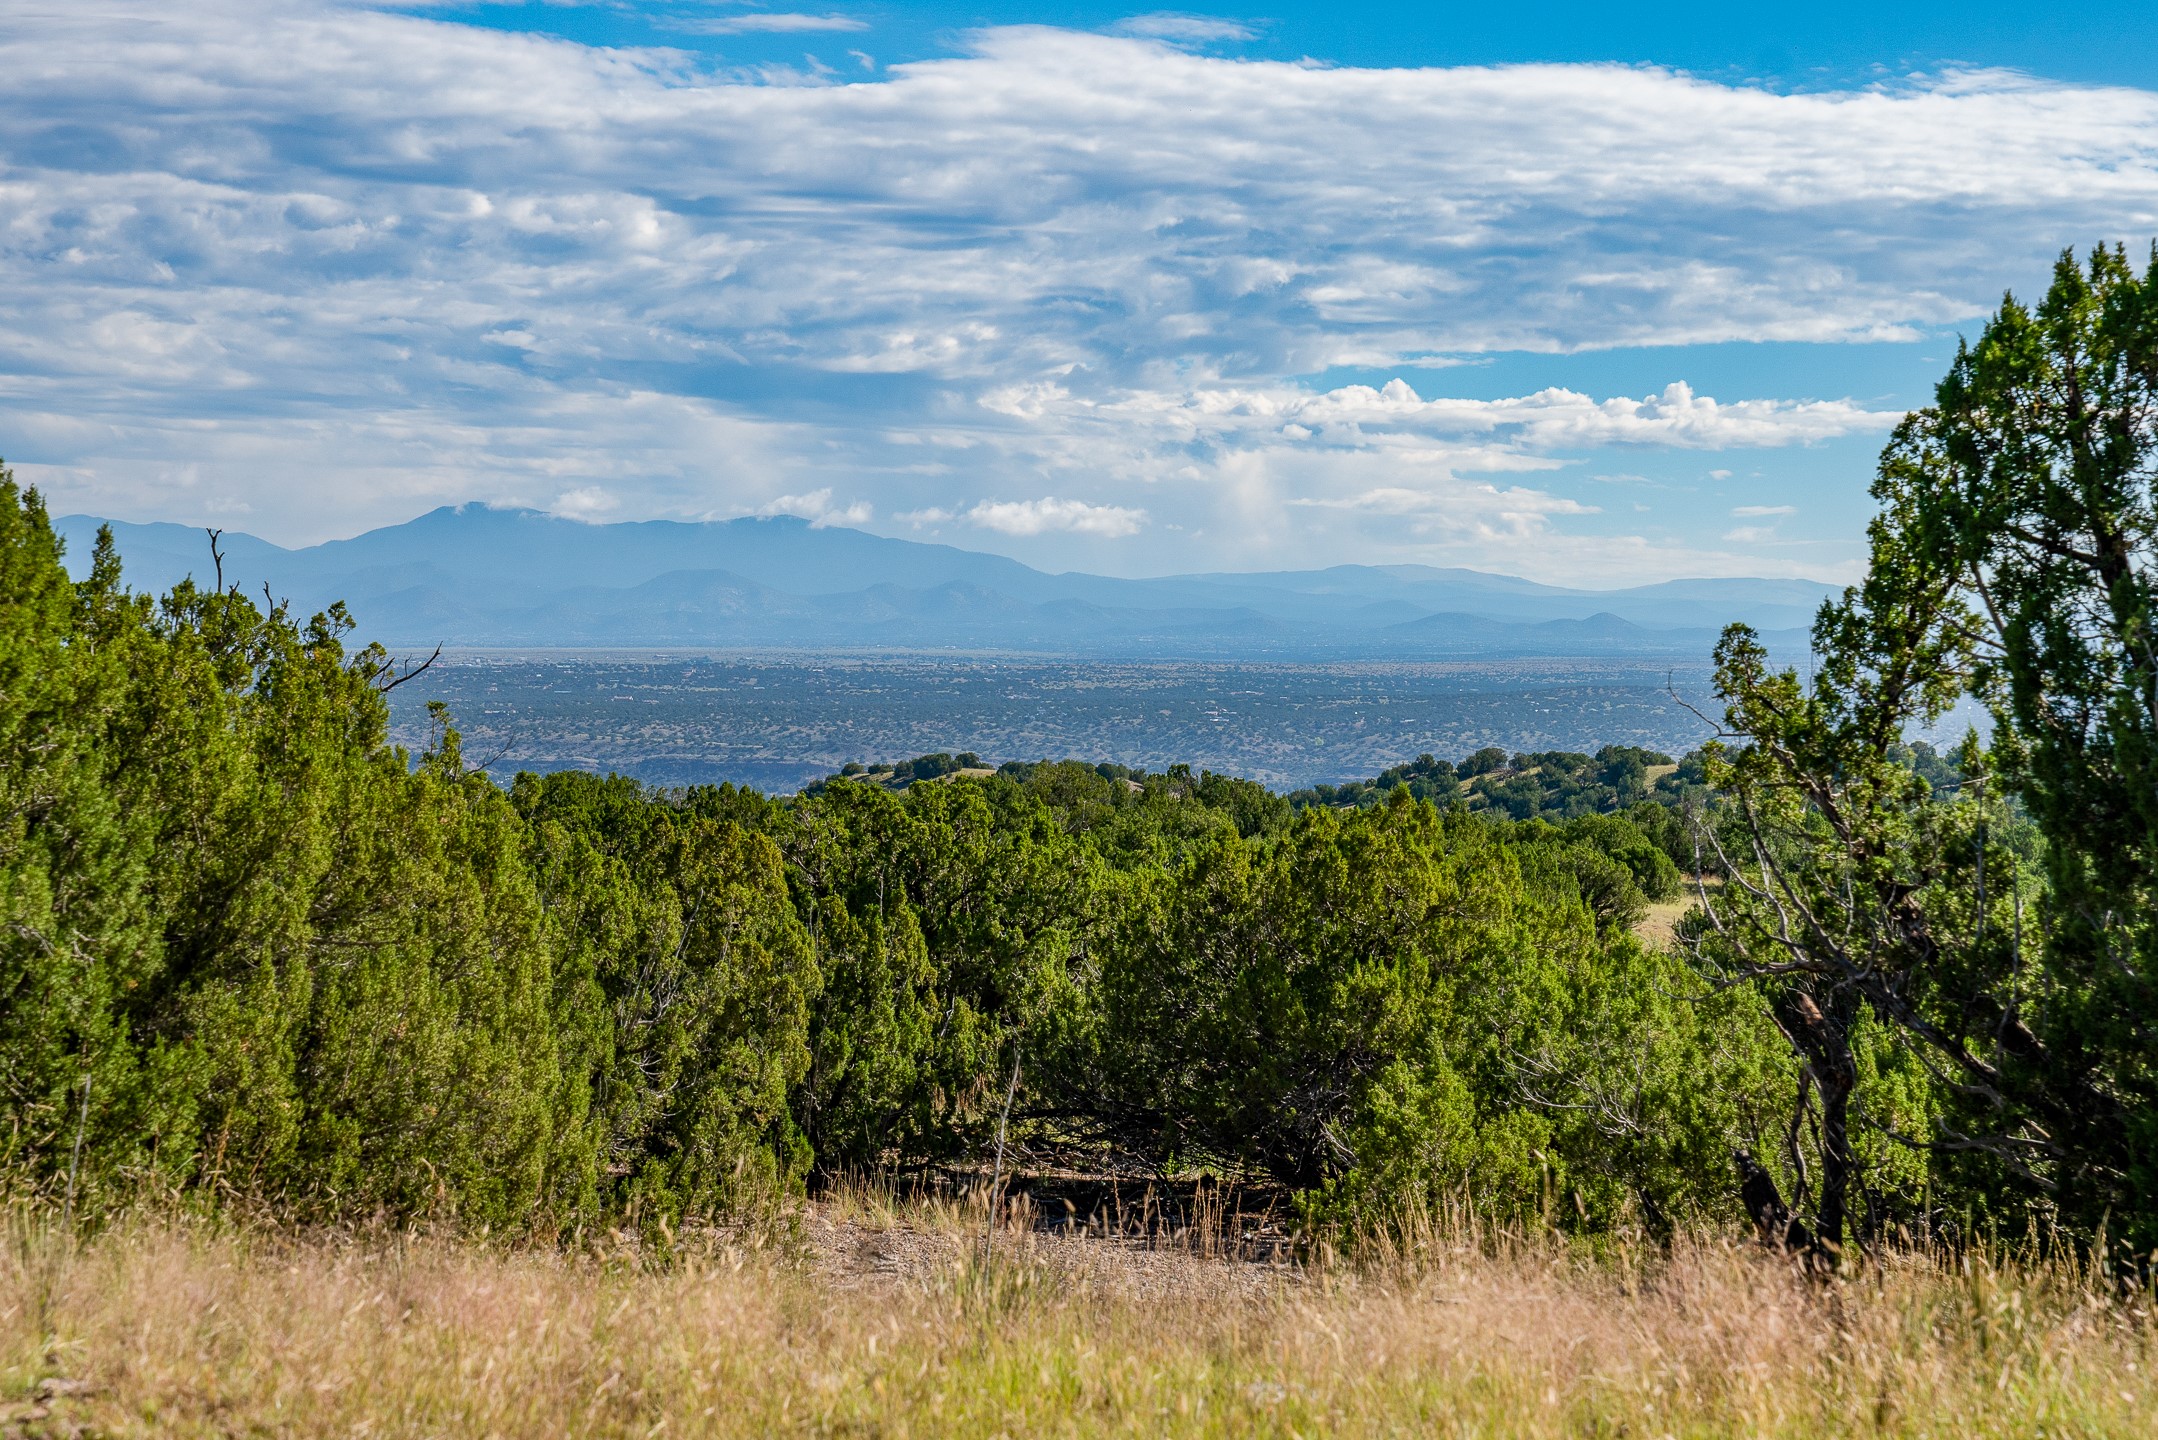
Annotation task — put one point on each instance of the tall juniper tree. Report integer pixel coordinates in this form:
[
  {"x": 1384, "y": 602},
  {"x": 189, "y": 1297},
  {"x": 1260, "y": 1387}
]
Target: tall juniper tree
[{"x": 2015, "y": 558}]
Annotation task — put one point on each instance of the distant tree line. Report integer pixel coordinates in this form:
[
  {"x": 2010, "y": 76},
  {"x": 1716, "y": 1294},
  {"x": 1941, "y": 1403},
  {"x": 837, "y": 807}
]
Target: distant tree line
[{"x": 901, "y": 773}]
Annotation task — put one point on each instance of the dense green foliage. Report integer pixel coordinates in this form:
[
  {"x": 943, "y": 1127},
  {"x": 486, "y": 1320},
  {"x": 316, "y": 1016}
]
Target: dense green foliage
[
  {"x": 253, "y": 948},
  {"x": 247, "y": 946},
  {"x": 1984, "y": 927},
  {"x": 1555, "y": 784},
  {"x": 902, "y": 773}
]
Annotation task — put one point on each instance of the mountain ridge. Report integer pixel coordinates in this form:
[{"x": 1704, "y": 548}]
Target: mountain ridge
[{"x": 475, "y": 575}]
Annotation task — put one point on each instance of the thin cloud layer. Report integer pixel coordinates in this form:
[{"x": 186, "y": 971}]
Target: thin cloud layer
[
  {"x": 1184, "y": 29},
  {"x": 318, "y": 266},
  {"x": 765, "y": 23}
]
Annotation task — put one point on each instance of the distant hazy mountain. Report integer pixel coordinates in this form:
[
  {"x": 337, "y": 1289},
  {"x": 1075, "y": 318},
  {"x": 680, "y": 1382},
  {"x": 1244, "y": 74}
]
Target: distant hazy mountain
[{"x": 474, "y": 576}]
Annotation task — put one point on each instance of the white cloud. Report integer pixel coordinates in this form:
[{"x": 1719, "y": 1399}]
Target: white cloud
[
  {"x": 817, "y": 508},
  {"x": 1523, "y": 505},
  {"x": 325, "y": 470},
  {"x": 1548, "y": 419},
  {"x": 340, "y": 264},
  {"x": 1758, "y": 534},
  {"x": 1435, "y": 510},
  {"x": 1039, "y": 517},
  {"x": 1183, "y": 29},
  {"x": 767, "y": 24},
  {"x": 586, "y": 502}
]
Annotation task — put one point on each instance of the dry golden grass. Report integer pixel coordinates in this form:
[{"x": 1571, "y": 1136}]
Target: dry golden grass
[
  {"x": 1658, "y": 926},
  {"x": 177, "y": 1327}
]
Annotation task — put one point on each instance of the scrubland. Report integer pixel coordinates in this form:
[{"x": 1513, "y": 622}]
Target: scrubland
[{"x": 861, "y": 1318}]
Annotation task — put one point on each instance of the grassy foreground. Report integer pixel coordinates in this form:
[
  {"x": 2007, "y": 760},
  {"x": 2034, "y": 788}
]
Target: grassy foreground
[{"x": 866, "y": 1323}]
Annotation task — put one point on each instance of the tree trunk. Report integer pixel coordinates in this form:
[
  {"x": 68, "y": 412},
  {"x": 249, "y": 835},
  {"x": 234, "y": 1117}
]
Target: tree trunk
[
  {"x": 1822, "y": 1037},
  {"x": 1837, "y": 1162}
]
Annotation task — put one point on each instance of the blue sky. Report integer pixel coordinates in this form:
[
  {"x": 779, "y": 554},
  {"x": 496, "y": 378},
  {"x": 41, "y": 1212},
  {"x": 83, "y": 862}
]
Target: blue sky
[
  {"x": 1828, "y": 44},
  {"x": 1594, "y": 295}
]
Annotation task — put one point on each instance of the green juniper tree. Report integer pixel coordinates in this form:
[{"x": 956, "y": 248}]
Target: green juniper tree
[{"x": 2015, "y": 559}]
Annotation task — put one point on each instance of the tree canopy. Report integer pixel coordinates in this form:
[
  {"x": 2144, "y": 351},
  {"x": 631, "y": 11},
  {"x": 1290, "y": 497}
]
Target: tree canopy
[{"x": 1993, "y": 937}]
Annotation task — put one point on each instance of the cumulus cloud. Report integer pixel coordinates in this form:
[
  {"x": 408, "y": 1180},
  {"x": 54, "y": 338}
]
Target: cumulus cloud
[
  {"x": 817, "y": 508},
  {"x": 1040, "y": 517},
  {"x": 339, "y": 263},
  {"x": 1743, "y": 512},
  {"x": 586, "y": 502},
  {"x": 1549, "y": 419}
]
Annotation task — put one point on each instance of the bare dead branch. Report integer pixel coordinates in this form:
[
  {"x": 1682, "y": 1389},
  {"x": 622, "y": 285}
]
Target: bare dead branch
[{"x": 410, "y": 672}]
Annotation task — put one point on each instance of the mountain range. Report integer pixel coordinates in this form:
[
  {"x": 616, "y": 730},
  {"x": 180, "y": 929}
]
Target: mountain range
[{"x": 478, "y": 577}]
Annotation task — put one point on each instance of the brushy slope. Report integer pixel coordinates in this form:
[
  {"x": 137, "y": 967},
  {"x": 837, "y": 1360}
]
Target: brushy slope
[{"x": 250, "y": 947}]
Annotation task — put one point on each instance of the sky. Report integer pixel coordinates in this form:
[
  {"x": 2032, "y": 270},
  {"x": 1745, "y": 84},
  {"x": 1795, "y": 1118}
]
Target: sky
[{"x": 1595, "y": 295}]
